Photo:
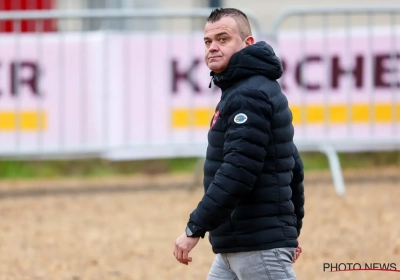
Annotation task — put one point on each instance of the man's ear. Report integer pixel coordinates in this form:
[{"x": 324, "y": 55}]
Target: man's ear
[{"x": 249, "y": 41}]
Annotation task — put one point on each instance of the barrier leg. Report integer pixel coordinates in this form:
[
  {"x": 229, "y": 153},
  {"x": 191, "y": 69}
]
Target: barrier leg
[
  {"x": 198, "y": 172},
  {"x": 336, "y": 169}
]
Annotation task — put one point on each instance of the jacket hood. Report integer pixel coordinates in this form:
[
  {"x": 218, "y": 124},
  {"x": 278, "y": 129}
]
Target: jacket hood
[{"x": 256, "y": 59}]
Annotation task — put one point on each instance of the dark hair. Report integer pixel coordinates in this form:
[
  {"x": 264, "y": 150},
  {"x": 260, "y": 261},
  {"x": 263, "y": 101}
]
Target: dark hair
[{"x": 241, "y": 19}]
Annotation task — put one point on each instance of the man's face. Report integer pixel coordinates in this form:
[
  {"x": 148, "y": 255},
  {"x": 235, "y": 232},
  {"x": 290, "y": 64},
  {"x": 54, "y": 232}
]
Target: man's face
[{"x": 222, "y": 40}]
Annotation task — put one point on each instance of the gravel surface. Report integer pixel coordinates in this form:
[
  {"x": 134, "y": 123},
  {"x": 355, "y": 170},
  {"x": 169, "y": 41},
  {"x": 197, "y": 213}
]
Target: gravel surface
[{"x": 125, "y": 228}]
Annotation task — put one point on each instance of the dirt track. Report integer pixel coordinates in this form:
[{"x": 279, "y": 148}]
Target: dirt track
[{"x": 125, "y": 228}]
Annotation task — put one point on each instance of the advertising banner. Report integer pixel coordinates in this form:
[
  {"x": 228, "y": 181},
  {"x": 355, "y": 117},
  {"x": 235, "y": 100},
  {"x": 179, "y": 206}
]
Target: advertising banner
[{"x": 146, "y": 95}]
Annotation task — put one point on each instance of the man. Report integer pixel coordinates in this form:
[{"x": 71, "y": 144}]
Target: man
[{"x": 253, "y": 204}]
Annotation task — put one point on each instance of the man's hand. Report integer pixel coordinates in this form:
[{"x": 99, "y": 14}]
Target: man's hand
[
  {"x": 183, "y": 245},
  {"x": 297, "y": 254}
]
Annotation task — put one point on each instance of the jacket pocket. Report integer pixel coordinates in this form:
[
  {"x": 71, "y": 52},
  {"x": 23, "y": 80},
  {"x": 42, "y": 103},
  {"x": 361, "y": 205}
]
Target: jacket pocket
[{"x": 233, "y": 219}]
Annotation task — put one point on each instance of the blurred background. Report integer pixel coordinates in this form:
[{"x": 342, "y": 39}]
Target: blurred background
[{"x": 105, "y": 107}]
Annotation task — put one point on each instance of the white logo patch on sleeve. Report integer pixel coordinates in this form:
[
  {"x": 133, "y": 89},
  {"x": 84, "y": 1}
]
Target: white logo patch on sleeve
[{"x": 240, "y": 118}]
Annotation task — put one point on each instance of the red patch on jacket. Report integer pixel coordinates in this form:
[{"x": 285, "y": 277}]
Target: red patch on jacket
[{"x": 216, "y": 115}]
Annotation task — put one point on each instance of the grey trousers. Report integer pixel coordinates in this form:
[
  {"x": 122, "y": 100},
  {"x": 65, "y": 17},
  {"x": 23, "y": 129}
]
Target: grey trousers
[{"x": 275, "y": 264}]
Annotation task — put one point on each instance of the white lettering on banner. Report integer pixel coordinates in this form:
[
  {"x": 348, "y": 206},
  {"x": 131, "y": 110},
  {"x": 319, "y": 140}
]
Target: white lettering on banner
[{"x": 140, "y": 95}]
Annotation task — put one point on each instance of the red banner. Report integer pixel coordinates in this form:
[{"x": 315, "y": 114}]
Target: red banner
[{"x": 27, "y": 26}]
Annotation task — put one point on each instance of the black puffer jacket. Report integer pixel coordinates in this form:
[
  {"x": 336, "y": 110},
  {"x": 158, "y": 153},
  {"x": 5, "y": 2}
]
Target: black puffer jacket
[{"x": 253, "y": 174}]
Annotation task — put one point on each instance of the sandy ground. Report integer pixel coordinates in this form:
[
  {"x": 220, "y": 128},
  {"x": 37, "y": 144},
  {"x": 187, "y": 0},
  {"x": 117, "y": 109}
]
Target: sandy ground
[{"x": 126, "y": 228}]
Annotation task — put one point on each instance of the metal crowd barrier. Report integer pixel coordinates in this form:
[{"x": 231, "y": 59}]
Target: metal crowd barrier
[
  {"x": 134, "y": 90},
  {"x": 342, "y": 78},
  {"x": 139, "y": 90}
]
